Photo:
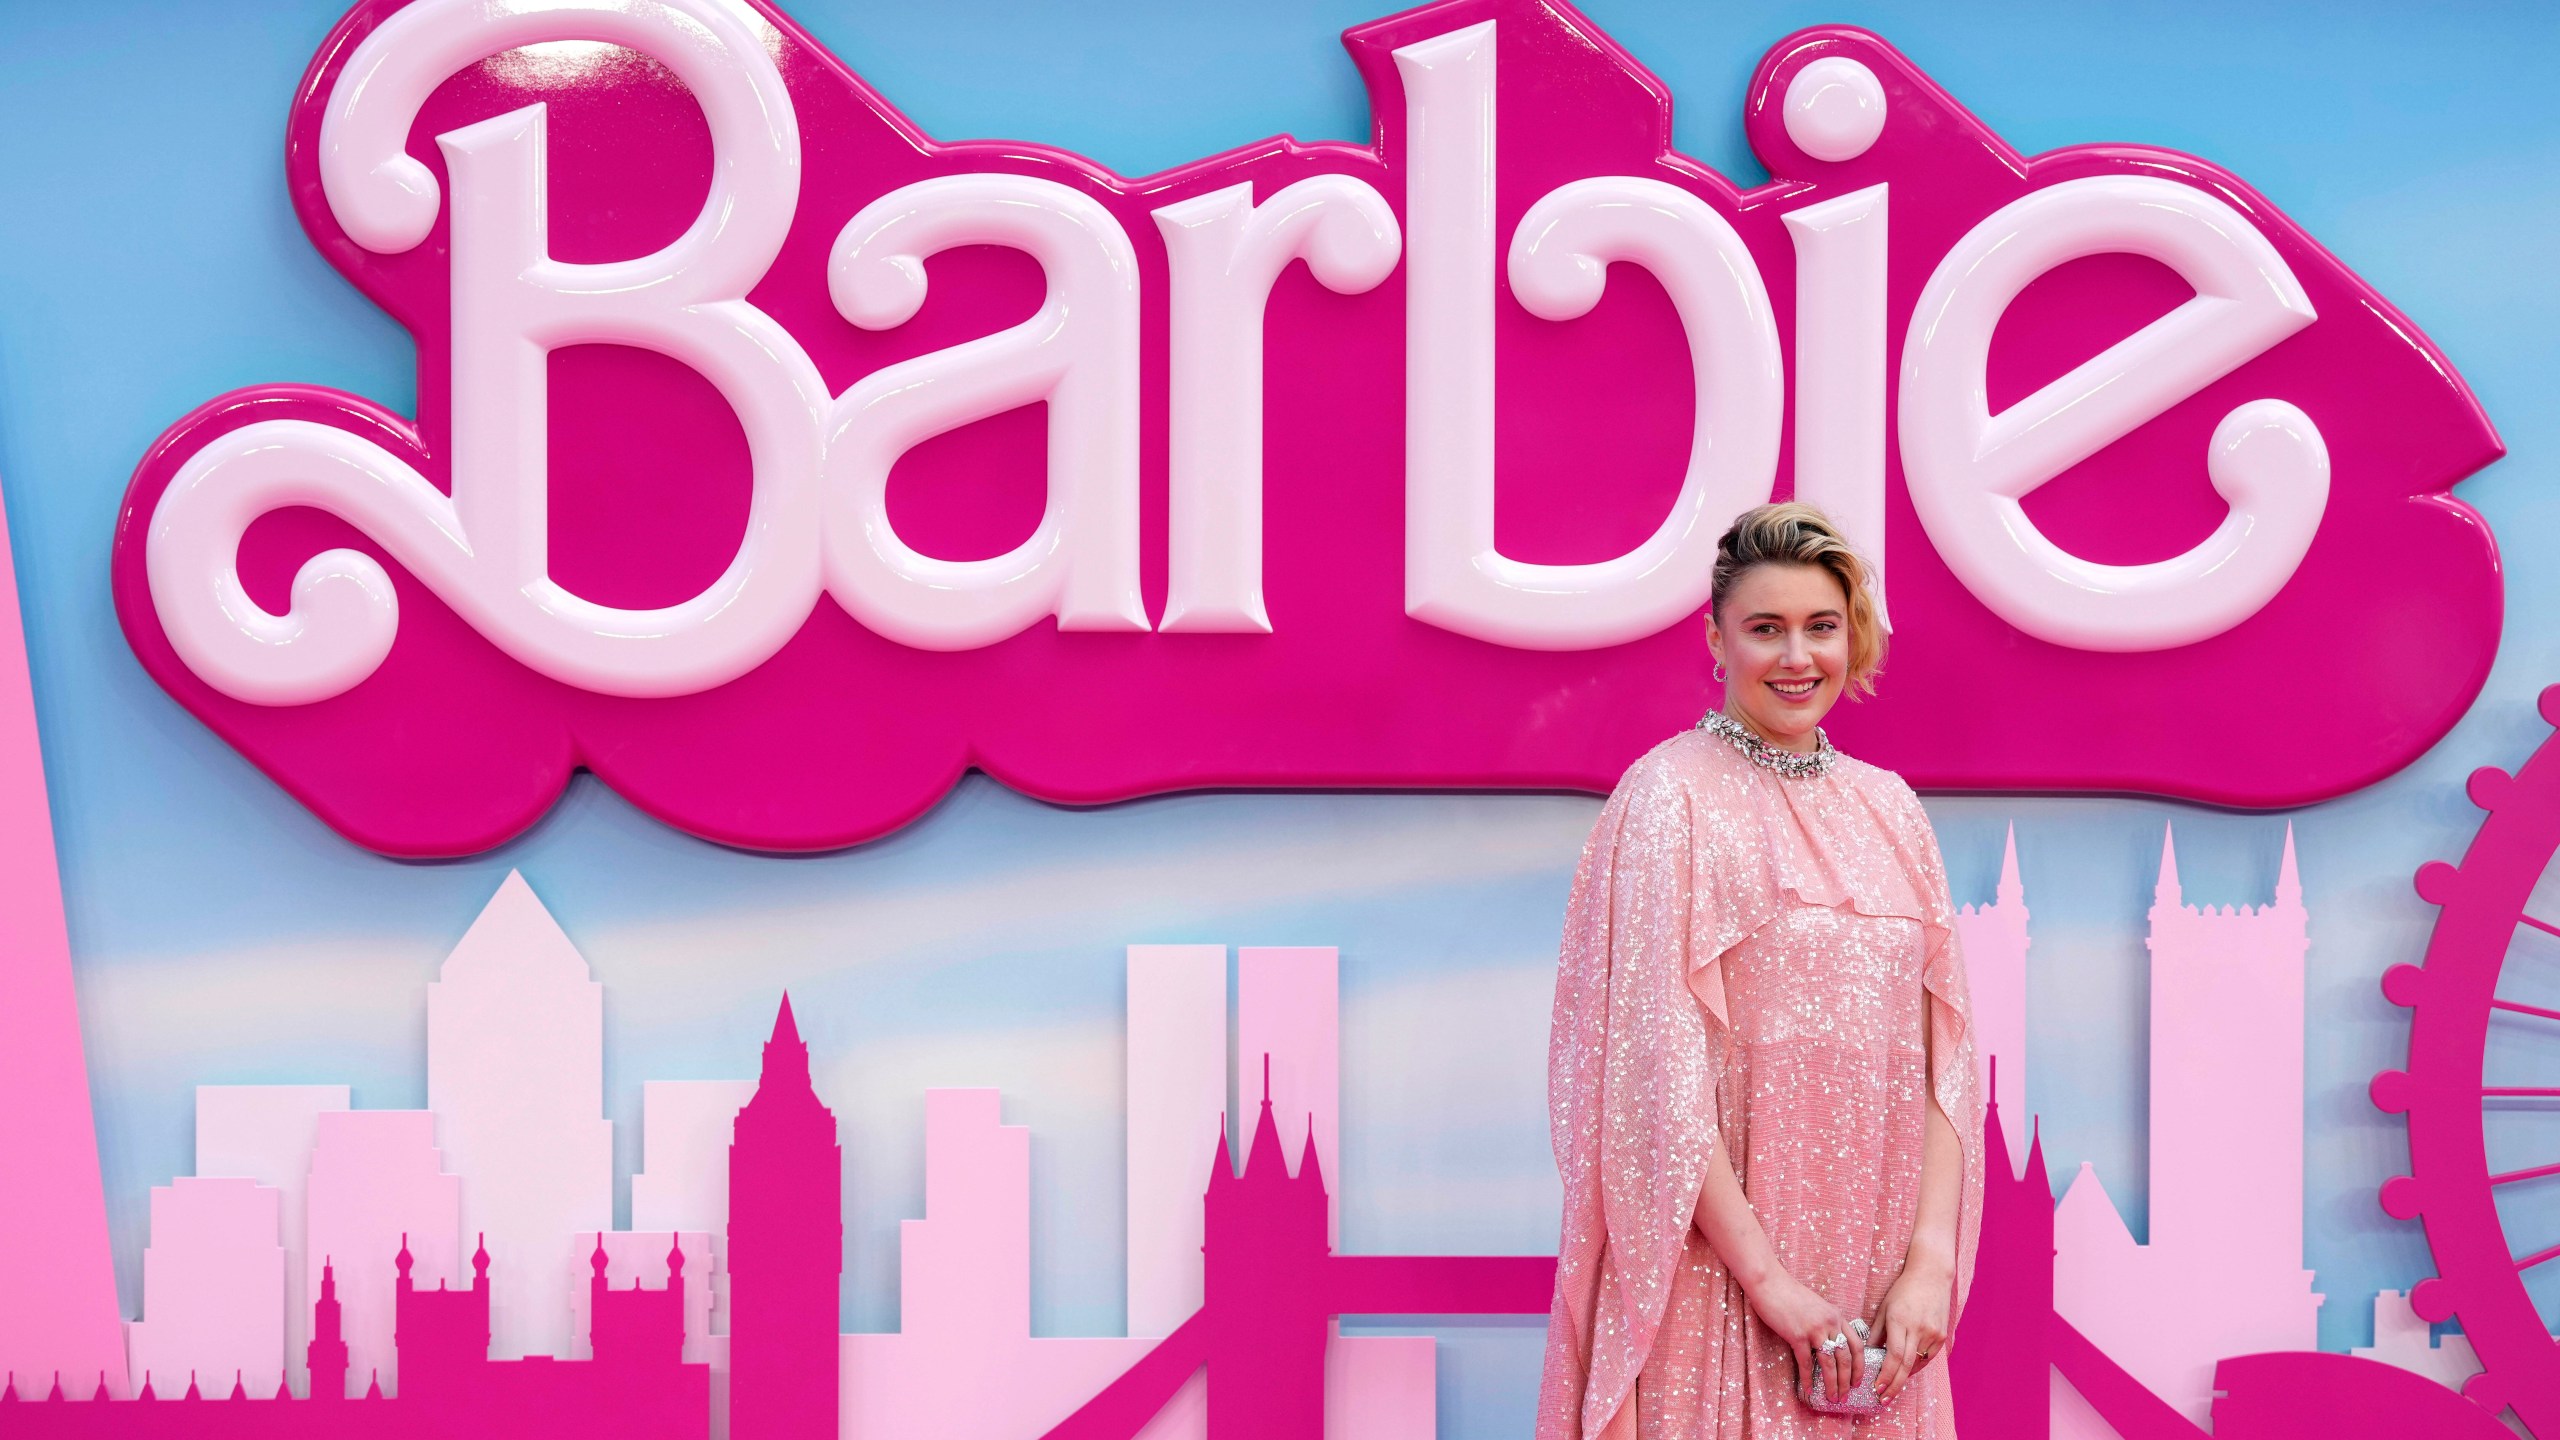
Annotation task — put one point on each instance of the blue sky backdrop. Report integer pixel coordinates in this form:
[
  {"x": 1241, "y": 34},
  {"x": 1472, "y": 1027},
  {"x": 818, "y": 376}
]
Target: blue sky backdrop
[{"x": 149, "y": 260}]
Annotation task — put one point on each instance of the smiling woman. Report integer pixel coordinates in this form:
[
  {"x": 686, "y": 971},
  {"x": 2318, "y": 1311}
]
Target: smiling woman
[
  {"x": 1761, "y": 1068},
  {"x": 1793, "y": 622}
]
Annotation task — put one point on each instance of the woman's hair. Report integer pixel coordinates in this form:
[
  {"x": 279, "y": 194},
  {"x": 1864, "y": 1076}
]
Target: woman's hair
[{"x": 1798, "y": 534}]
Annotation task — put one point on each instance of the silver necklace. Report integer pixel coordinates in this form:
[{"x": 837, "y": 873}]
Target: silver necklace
[{"x": 1794, "y": 764}]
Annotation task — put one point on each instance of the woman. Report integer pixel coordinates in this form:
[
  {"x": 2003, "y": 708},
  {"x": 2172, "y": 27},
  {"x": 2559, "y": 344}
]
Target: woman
[{"x": 1762, "y": 1071}]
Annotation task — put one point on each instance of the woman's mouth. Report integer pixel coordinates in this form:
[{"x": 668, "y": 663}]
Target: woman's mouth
[{"x": 1796, "y": 691}]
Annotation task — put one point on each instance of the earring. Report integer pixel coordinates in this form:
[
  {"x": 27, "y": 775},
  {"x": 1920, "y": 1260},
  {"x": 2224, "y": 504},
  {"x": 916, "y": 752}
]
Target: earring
[{"x": 1719, "y": 670}]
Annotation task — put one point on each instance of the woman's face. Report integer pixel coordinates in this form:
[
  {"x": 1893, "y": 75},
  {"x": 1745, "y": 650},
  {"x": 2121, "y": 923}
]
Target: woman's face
[{"x": 1783, "y": 639}]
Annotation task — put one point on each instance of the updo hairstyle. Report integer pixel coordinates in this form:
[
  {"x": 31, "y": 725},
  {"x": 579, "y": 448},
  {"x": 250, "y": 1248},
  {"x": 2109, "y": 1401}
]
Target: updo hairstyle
[{"x": 1798, "y": 534}]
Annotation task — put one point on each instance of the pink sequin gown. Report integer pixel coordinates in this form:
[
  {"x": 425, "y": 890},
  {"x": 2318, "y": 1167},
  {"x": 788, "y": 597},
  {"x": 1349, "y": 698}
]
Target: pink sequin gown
[{"x": 1747, "y": 954}]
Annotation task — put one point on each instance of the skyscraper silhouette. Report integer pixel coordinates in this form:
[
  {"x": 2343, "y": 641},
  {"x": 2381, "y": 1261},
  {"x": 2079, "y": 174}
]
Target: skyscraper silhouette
[
  {"x": 786, "y": 1252},
  {"x": 515, "y": 1076}
]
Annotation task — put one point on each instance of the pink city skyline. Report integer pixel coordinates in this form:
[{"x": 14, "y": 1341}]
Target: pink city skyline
[
  {"x": 964, "y": 1356},
  {"x": 379, "y": 1181}
]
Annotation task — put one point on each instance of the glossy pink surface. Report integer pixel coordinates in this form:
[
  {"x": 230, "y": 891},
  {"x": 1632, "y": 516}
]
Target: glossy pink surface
[{"x": 451, "y": 747}]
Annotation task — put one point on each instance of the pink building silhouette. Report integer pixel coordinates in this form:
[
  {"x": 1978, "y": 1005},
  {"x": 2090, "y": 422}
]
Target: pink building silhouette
[
  {"x": 1999, "y": 1364},
  {"x": 266, "y": 1133},
  {"x": 637, "y": 1328},
  {"x": 1176, "y": 1088},
  {"x": 378, "y": 1185},
  {"x": 2403, "y": 1338},
  {"x": 963, "y": 1364},
  {"x": 55, "y": 1265},
  {"x": 638, "y": 1386},
  {"x": 646, "y": 1260},
  {"x": 1995, "y": 964},
  {"x": 1267, "y": 1232},
  {"x": 325, "y": 1358},
  {"x": 443, "y": 1333},
  {"x": 2226, "y": 1162},
  {"x": 213, "y": 1285},
  {"x": 515, "y": 1076},
  {"x": 686, "y": 1127},
  {"x": 786, "y": 1252},
  {"x": 683, "y": 1183}
]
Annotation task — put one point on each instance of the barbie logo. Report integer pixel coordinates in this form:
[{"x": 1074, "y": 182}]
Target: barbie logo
[{"x": 778, "y": 462}]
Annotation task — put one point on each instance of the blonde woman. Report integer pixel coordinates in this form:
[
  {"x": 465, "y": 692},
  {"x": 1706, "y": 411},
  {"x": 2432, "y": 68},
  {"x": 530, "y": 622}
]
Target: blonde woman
[{"x": 1761, "y": 1071}]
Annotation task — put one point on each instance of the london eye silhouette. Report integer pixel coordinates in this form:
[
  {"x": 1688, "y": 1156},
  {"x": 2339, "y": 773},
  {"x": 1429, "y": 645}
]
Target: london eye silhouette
[{"x": 2457, "y": 1019}]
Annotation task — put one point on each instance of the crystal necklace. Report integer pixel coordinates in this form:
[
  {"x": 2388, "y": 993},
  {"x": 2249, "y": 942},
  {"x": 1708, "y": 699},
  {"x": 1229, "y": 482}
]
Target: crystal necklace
[{"x": 1794, "y": 764}]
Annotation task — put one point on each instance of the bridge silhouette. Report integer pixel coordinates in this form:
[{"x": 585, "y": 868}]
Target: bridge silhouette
[{"x": 1271, "y": 1286}]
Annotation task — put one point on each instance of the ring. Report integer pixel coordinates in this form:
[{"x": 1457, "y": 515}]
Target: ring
[{"x": 1834, "y": 1343}]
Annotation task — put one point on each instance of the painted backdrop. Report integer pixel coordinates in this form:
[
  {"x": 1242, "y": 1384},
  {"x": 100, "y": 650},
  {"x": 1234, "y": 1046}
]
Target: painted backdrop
[{"x": 149, "y": 258}]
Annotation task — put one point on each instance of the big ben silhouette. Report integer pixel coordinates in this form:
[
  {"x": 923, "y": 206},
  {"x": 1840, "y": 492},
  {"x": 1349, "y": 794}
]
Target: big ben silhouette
[{"x": 786, "y": 1251}]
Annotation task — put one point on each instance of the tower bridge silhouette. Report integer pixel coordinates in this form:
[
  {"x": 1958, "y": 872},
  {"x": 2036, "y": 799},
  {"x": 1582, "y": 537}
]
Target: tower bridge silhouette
[{"x": 1271, "y": 1288}]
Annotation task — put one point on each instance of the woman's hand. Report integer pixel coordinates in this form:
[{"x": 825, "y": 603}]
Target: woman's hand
[
  {"x": 1913, "y": 1321},
  {"x": 1803, "y": 1319}
]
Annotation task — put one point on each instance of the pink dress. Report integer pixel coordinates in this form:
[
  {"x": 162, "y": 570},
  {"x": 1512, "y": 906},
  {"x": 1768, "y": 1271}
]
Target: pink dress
[{"x": 1749, "y": 955}]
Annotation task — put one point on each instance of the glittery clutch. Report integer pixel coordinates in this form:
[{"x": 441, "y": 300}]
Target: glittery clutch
[{"x": 1861, "y": 1400}]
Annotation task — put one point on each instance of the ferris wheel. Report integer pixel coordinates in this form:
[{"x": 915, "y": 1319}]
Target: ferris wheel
[{"x": 2484, "y": 909}]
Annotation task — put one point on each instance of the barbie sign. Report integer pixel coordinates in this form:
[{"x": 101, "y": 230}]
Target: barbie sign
[{"x": 779, "y": 463}]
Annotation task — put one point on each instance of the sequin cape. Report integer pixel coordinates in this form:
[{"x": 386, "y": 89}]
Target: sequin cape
[{"x": 1696, "y": 850}]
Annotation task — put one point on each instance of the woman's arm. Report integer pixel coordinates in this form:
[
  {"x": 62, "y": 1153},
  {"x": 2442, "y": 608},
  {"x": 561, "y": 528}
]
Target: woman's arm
[
  {"x": 1913, "y": 1319},
  {"x": 1791, "y": 1310}
]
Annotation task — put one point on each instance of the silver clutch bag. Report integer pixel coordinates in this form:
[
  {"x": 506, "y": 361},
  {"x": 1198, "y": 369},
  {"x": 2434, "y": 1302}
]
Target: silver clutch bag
[{"x": 1861, "y": 1400}]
